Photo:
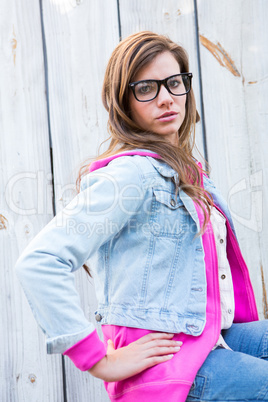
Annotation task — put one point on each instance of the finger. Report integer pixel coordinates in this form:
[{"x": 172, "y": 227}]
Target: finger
[
  {"x": 110, "y": 346},
  {"x": 154, "y": 335},
  {"x": 153, "y": 361},
  {"x": 161, "y": 343},
  {"x": 160, "y": 351}
]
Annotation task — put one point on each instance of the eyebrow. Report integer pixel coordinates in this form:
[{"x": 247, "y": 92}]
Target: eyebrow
[{"x": 156, "y": 79}]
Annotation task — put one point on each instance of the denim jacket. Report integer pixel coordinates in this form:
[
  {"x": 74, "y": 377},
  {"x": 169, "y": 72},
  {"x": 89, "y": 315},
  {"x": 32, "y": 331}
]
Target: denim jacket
[{"x": 140, "y": 240}]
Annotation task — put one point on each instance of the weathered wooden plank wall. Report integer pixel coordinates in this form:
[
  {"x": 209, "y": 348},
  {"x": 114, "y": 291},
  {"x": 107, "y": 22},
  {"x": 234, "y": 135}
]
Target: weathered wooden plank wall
[
  {"x": 26, "y": 372},
  {"x": 52, "y": 60}
]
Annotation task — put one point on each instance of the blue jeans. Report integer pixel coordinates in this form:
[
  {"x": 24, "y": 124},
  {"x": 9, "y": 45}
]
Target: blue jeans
[{"x": 237, "y": 375}]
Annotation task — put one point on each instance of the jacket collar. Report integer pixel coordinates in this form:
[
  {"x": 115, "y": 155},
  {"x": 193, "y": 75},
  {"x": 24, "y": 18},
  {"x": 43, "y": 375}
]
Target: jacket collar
[
  {"x": 99, "y": 163},
  {"x": 163, "y": 168}
]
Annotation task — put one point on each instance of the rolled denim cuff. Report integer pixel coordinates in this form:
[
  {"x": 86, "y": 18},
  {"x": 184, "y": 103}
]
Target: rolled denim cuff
[
  {"x": 61, "y": 343},
  {"x": 87, "y": 352}
]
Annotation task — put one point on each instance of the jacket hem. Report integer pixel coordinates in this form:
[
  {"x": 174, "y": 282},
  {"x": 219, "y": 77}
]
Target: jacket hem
[{"x": 152, "y": 320}]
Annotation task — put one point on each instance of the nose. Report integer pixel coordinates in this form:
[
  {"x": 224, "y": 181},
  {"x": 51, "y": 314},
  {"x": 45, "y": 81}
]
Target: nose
[{"x": 164, "y": 97}]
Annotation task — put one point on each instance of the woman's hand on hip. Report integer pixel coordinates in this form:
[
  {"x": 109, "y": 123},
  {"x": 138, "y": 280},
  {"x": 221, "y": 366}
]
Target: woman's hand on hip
[{"x": 151, "y": 349}]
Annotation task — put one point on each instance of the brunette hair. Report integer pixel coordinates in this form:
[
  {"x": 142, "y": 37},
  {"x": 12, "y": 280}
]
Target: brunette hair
[{"x": 127, "y": 59}]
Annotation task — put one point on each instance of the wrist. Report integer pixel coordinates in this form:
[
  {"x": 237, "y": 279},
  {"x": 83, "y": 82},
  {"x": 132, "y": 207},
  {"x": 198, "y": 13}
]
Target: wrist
[{"x": 99, "y": 368}]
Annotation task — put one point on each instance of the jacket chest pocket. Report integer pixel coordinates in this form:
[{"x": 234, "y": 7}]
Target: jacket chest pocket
[{"x": 168, "y": 214}]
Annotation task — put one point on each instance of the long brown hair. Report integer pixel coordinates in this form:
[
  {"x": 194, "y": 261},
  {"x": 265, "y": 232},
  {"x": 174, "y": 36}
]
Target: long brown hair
[{"x": 127, "y": 59}]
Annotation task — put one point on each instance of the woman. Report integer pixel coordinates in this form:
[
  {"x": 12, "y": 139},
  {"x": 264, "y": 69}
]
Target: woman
[{"x": 175, "y": 298}]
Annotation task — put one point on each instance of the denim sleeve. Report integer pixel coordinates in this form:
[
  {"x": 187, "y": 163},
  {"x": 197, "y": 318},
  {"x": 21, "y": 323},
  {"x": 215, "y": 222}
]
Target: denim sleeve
[{"x": 109, "y": 197}]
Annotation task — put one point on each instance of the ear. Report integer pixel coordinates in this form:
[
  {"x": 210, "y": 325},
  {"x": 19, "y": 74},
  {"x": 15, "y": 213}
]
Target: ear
[{"x": 197, "y": 117}]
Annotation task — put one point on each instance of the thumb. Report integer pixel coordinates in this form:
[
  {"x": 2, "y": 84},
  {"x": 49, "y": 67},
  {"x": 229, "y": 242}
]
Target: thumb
[{"x": 110, "y": 346}]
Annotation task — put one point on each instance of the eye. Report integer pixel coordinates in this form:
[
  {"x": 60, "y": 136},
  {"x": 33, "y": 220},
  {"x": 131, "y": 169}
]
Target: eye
[
  {"x": 145, "y": 88},
  {"x": 174, "y": 82}
]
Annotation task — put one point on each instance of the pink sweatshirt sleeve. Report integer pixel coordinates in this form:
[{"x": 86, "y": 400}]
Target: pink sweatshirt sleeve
[{"x": 87, "y": 352}]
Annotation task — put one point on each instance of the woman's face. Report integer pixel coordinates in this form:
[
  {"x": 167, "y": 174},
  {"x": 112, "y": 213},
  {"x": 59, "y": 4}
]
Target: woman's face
[{"x": 163, "y": 115}]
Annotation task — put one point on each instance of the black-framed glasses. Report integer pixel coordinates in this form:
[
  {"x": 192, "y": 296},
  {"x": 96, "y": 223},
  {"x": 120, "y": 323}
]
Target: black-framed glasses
[{"x": 147, "y": 90}]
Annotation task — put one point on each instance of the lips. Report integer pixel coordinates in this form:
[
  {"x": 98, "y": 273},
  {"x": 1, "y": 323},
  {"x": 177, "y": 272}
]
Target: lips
[{"x": 167, "y": 116}]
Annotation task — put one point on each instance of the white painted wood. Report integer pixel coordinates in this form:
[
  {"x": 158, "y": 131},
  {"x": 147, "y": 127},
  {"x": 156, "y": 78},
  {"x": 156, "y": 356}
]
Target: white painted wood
[
  {"x": 80, "y": 36},
  {"x": 234, "y": 58},
  {"x": 174, "y": 18},
  {"x": 26, "y": 372}
]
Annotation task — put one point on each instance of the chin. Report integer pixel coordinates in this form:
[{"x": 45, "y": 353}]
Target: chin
[
  {"x": 169, "y": 130},
  {"x": 168, "y": 133}
]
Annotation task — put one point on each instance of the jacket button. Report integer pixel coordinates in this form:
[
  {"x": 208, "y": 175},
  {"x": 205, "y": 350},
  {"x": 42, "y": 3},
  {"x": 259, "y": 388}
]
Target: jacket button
[
  {"x": 98, "y": 317},
  {"x": 172, "y": 202}
]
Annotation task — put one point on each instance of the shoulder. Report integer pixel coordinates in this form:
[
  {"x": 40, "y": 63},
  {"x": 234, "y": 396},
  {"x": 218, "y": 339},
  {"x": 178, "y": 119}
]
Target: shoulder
[
  {"x": 208, "y": 183},
  {"x": 124, "y": 170}
]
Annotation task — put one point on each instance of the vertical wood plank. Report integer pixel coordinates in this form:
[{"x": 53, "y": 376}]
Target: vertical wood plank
[
  {"x": 234, "y": 58},
  {"x": 80, "y": 37},
  {"x": 174, "y": 18},
  {"x": 26, "y": 372}
]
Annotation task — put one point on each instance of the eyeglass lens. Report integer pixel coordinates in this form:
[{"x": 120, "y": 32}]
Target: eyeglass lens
[{"x": 177, "y": 85}]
